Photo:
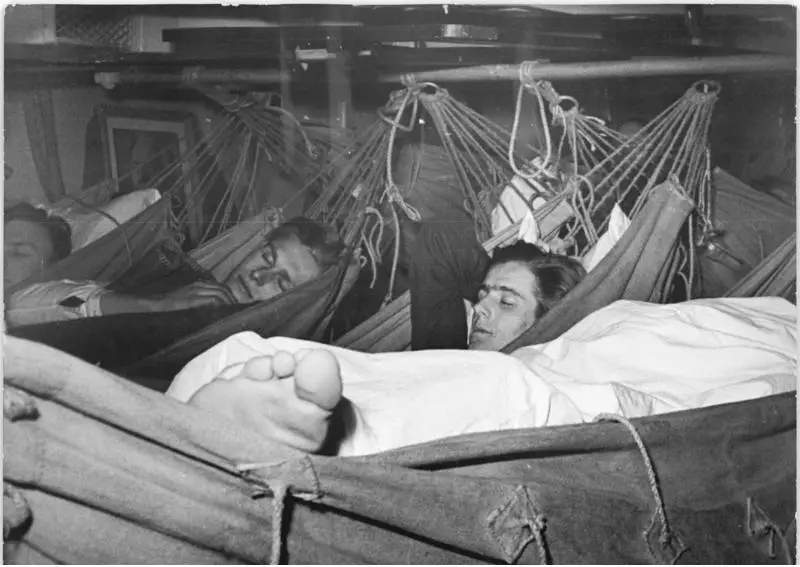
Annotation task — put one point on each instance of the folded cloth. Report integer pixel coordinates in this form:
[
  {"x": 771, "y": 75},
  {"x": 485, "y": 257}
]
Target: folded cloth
[{"x": 630, "y": 358}]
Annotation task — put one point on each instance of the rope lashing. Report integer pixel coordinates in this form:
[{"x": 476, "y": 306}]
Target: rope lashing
[
  {"x": 396, "y": 259},
  {"x": 651, "y": 473},
  {"x": 515, "y": 131},
  {"x": 408, "y": 80},
  {"x": 280, "y": 491},
  {"x": 373, "y": 245},
  {"x": 759, "y": 525},
  {"x": 310, "y": 147},
  {"x": 392, "y": 190}
]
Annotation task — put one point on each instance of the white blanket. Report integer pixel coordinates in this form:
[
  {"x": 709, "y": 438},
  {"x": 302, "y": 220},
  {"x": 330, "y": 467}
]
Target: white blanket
[{"x": 629, "y": 358}]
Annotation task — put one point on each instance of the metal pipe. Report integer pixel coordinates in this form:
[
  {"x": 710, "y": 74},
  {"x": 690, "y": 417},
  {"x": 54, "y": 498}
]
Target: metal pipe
[
  {"x": 532, "y": 70},
  {"x": 192, "y": 75},
  {"x": 714, "y": 65}
]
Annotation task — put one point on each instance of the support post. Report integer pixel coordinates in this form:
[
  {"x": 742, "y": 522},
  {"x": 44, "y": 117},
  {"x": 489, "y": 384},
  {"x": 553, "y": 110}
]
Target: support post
[
  {"x": 339, "y": 91},
  {"x": 286, "y": 55}
]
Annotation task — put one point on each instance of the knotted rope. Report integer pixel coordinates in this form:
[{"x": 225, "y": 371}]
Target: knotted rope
[
  {"x": 280, "y": 491},
  {"x": 525, "y": 84},
  {"x": 659, "y": 514}
]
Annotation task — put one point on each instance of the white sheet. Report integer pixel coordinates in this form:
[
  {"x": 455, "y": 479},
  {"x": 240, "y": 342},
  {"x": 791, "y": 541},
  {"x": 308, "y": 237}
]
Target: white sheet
[{"x": 630, "y": 358}]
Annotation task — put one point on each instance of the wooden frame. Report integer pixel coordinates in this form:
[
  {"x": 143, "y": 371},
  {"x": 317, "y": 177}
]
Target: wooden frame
[{"x": 149, "y": 140}]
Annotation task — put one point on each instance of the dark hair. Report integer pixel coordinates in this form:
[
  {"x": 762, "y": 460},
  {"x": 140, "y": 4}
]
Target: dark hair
[
  {"x": 57, "y": 228},
  {"x": 323, "y": 240},
  {"x": 556, "y": 275}
]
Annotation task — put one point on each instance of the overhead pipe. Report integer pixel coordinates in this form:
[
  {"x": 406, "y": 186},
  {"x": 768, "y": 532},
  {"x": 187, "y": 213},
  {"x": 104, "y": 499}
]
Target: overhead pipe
[
  {"x": 531, "y": 70},
  {"x": 528, "y": 70},
  {"x": 192, "y": 75}
]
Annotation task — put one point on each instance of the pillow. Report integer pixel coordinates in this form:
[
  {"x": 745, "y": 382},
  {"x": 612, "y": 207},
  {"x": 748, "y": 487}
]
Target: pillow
[{"x": 88, "y": 224}]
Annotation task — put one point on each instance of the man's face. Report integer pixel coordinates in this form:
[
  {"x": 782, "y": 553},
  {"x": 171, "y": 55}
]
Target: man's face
[
  {"x": 272, "y": 269},
  {"x": 506, "y": 306},
  {"x": 27, "y": 250}
]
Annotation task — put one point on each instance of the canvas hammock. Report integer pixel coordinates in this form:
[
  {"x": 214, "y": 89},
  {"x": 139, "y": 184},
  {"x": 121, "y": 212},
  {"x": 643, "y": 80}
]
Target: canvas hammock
[
  {"x": 605, "y": 168},
  {"x": 748, "y": 226},
  {"x": 364, "y": 166},
  {"x": 198, "y": 203},
  {"x": 100, "y": 471},
  {"x": 171, "y": 339},
  {"x": 776, "y": 275}
]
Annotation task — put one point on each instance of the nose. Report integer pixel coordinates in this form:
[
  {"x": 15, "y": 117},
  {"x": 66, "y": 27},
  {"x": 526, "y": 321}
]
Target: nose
[{"x": 483, "y": 309}]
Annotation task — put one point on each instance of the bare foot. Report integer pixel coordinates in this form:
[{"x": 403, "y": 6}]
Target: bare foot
[{"x": 287, "y": 397}]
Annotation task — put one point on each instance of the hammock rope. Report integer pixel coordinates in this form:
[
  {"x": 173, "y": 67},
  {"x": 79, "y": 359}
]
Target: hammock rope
[
  {"x": 362, "y": 178},
  {"x": 605, "y": 167},
  {"x": 601, "y": 165}
]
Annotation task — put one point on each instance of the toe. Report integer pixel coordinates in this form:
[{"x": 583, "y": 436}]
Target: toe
[
  {"x": 259, "y": 368},
  {"x": 283, "y": 364},
  {"x": 318, "y": 379}
]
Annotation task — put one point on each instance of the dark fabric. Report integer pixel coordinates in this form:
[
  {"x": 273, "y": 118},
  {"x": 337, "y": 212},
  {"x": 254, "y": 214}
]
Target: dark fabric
[
  {"x": 776, "y": 276},
  {"x": 162, "y": 269},
  {"x": 751, "y": 225},
  {"x": 155, "y": 346},
  {"x": 40, "y": 122},
  {"x": 110, "y": 473},
  {"x": 110, "y": 256},
  {"x": 447, "y": 266},
  {"x": 428, "y": 182},
  {"x": 637, "y": 268}
]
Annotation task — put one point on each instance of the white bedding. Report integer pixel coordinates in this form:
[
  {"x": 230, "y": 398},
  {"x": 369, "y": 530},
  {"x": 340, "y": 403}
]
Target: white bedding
[{"x": 629, "y": 358}]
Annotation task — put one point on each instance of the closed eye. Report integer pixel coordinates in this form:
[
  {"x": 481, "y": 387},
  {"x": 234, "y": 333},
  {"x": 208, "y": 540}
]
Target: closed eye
[
  {"x": 285, "y": 284},
  {"x": 269, "y": 257}
]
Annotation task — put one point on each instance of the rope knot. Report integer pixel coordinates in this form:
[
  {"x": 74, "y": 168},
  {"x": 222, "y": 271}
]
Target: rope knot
[
  {"x": 526, "y": 72},
  {"x": 408, "y": 80}
]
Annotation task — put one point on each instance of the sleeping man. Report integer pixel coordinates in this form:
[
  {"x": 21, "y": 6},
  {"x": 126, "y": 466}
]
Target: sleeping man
[
  {"x": 294, "y": 253},
  {"x": 630, "y": 358}
]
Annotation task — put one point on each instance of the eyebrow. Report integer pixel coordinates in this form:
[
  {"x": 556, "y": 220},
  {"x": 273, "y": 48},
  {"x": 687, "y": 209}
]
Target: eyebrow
[
  {"x": 20, "y": 243},
  {"x": 502, "y": 288}
]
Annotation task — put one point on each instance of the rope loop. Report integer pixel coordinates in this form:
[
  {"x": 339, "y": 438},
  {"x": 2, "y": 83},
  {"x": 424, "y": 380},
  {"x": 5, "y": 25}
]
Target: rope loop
[
  {"x": 703, "y": 91},
  {"x": 651, "y": 473},
  {"x": 562, "y": 114}
]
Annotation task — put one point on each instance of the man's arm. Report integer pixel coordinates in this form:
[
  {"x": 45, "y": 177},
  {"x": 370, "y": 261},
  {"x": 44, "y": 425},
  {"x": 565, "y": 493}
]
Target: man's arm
[
  {"x": 447, "y": 266},
  {"x": 64, "y": 300}
]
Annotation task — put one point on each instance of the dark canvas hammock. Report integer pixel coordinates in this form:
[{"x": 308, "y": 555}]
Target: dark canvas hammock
[
  {"x": 100, "y": 471},
  {"x": 156, "y": 346},
  {"x": 749, "y": 226},
  {"x": 161, "y": 343},
  {"x": 775, "y": 276},
  {"x": 251, "y": 128},
  {"x": 110, "y": 256}
]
